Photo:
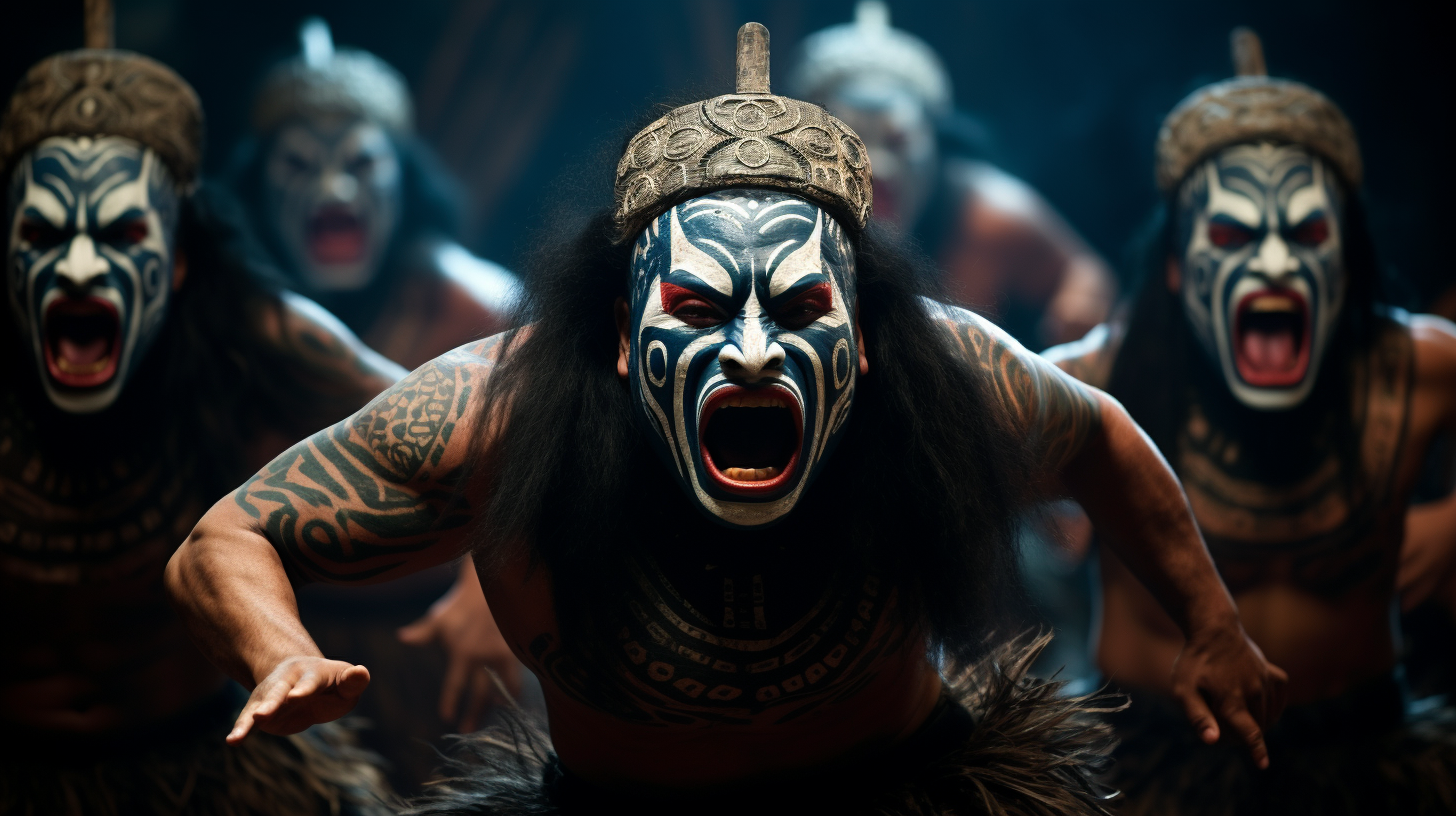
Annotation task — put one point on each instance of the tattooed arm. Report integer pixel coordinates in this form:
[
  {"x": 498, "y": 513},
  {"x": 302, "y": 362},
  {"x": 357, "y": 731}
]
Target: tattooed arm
[
  {"x": 1092, "y": 450},
  {"x": 369, "y": 499}
]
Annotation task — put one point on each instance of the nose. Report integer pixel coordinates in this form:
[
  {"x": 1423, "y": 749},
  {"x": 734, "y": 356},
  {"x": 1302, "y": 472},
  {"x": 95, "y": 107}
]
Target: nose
[
  {"x": 82, "y": 263},
  {"x": 1274, "y": 259},
  {"x": 339, "y": 186},
  {"x": 753, "y": 360}
]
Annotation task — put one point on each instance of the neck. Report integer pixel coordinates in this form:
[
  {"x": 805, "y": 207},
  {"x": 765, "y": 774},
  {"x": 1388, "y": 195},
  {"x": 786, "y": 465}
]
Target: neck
[{"x": 1272, "y": 447}]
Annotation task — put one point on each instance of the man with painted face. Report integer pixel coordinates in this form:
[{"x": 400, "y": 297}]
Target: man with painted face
[
  {"x": 1297, "y": 411},
  {"x": 364, "y": 221},
  {"x": 145, "y": 369},
  {"x": 1000, "y": 247},
  {"x": 746, "y": 524},
  {"x": 356, "y": 210}
]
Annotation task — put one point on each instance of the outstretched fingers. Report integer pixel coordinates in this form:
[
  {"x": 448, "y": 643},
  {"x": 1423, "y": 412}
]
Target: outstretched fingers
[
  {"x": 1242, "y": 723},
  {"x": 1198, "y": 714},
  {"x": 261, "y": 705}
]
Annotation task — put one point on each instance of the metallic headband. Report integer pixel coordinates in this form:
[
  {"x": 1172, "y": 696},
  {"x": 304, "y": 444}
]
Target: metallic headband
[
  {"x": 750, "y": 138},
  {"x": 1251, "y": 107}
]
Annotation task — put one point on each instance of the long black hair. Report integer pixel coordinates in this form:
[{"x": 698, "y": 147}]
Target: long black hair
[
  {"x": 1159, "y": 370},
  {"x": 923, "y": 489}
]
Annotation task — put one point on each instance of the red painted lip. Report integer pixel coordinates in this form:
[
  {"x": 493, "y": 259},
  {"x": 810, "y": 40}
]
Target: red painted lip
[
  {"x": 76, "y": 322},
  {"x": 1252, "y": 374},
  {"x": 768, "y": 486},
  {"x": 336, "y": 236}
]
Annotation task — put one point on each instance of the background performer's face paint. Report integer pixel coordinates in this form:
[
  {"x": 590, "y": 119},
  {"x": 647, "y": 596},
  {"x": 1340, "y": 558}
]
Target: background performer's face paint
[
  {"x": 900, "y": 136},
  {"x": 743, "y": 353},
  {"x": 92, "y": 234},
  {"x": 333, "y": 194},
  {"x": 1263, "y": 276}
]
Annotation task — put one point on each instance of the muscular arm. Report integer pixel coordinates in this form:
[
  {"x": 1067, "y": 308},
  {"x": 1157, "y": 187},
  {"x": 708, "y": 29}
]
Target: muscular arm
[
  {"x": 369, "y": 499},
  {"x": 1091, "y": 450}
]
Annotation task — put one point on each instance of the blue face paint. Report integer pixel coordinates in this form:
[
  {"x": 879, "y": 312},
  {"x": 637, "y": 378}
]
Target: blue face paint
[
  {"x": 89, "y": 262},
  {"x": 1260, "y": 240},
  {"x": 743, "y": 347}
]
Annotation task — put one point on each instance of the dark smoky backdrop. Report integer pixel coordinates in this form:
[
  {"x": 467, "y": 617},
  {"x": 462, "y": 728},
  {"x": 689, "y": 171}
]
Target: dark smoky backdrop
[{"x": 523, "y": 99}]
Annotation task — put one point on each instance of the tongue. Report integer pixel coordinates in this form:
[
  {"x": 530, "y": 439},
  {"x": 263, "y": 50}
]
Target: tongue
[
  {"x": 1269, "y": 350},
  {"x": 83, "y": 353},
  {"x": 338, "y": 245}
]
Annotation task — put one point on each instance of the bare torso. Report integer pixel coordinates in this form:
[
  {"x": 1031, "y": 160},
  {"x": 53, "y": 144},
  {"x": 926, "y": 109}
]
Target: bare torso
[
  {"x": 1312, "y": 572},
  {"x": 777, "y": 696},
  {"x": 89, "y": 514}
]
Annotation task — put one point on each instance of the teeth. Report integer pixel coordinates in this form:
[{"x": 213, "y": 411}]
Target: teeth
[
  {"x": 752, "y": 400},
  {"x": 751, "y": 474},
  {"x": 1273, "y": 303},
  {"x": 87, "y": 368}
]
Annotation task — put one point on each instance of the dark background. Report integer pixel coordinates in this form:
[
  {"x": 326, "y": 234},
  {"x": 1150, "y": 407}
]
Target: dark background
[{"x": 520, "y": 97}]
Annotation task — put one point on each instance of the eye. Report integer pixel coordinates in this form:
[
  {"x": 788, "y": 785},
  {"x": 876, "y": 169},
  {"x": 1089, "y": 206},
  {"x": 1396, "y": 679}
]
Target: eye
[
  {"x": 806, "y": 308},
  {"x": 129, "y": 232},
  {"x": 296, "y": 163},
  {"x": 687, "y": 306},
  {"x": 360, "y": 165},
  {"x": 1313, "y": 232},
  {"x": 39, "y": 234},
  {"x": 1225, "y": 235}
]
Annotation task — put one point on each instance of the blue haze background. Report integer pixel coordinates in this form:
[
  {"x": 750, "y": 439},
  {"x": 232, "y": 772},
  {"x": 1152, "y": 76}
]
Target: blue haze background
[{"x": 527, "y": 101}]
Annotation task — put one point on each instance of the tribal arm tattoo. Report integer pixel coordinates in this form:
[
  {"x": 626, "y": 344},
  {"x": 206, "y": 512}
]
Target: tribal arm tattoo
[
  {"x": 380, "y": 494},
  {"x": 1053, "y": 411}
]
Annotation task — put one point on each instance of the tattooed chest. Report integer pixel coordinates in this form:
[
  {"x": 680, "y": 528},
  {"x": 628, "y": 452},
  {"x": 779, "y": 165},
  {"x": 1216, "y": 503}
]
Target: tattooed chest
[
  {"x": 69, "y": 518},
  {"x": 722, "y": 648}
]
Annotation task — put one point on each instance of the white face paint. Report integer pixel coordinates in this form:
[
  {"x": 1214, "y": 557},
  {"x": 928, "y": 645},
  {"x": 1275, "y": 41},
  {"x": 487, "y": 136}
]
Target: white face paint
[
  {"x": 92, "y": 225},
  {"x": 743, "y": 352},
  {"x": 333, "y": 192},
  {"x": 1263, "y": 283}
]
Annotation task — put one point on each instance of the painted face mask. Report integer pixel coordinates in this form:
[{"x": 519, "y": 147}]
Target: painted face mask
[
  {"x": 743, "y": 347},
  {"x": 333, "y": 195},
  {"x": 1259, "y": 231},
  {"x": 90, "y": 260}
]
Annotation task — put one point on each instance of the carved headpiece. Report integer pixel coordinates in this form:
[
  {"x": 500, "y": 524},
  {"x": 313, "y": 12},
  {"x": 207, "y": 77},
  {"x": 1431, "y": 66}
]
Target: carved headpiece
[
  {"x": 1249, "y": 107},
  {"x": 871, "y": 47},
  {"x": 746, "y": 139},
  {"x": 323, "y": 79},
  {"x": 100, "y": 91}
]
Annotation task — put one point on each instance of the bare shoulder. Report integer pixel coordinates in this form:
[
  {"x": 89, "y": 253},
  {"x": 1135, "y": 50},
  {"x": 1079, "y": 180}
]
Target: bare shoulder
[
  {"x": 486, "y": 285},
  {"x": 1089, "y": 359},
  {"x": 383, "y": 491},
  {"x": 1433, "y": 339},
  {"x": 1056, "y": 412},
  {"x": 310, "y": 337}
]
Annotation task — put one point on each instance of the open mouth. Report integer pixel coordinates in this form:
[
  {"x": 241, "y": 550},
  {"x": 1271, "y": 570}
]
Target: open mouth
[
  {"x": 336, "y": 236},
  {"x": 82, "y": 341},
  {"x": 750, "y": 438},
  {"x": 1271, "y": 338}
]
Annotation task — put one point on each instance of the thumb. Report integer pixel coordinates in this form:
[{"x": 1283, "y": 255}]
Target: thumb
[
  {"x": 420, "y": 633},
  {"x": 353, "y": 681}
]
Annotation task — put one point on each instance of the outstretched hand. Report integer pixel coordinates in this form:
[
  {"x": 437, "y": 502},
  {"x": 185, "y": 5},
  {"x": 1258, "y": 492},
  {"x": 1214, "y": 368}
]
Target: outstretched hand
[
  {"x": 298, "y": 693},
  {"x": 1223, "y": 682},
  {"x": 476, "y": 652}
]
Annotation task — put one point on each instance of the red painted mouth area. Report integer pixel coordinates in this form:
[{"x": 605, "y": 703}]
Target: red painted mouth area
[
  {"x": 1271, "y": 338},
  {"x": 750, "y": 439},
  {"x": 82, "y": 341},
  {"x": 336, "y": 236}
]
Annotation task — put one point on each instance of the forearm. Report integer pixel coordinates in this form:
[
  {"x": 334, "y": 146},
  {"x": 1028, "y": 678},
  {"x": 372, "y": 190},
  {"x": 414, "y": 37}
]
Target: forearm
[
  {"x": 1141, "y": 513},
  {"x": 232, "y": 591}
]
